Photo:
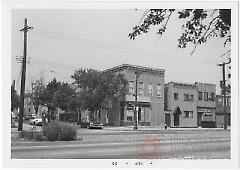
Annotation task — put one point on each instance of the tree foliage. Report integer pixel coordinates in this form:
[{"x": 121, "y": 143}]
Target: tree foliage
[
  {"x": 37, "y": 92},
  {"x": 48, "y": 95},
  {"x": 200, "y": 25},
  {"x": 97, "y": 87},
  {"x": 63, "y": 96},
  {"x": 15, "y": 99}
]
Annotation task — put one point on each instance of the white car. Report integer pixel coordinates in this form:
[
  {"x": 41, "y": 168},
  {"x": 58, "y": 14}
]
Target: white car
[{"x": 36, "y": 121}]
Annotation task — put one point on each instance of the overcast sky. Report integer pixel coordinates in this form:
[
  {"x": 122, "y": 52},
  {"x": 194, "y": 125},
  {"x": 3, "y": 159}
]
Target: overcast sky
[{"x": 62, "y": 41}]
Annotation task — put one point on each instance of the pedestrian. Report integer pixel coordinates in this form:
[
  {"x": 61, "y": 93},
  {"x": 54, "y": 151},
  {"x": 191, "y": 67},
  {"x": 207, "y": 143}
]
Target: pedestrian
[{"x": 165, "y": 126}]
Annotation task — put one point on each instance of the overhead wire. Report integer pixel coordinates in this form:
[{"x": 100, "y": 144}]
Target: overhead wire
[{"x": 91, "y": 43}]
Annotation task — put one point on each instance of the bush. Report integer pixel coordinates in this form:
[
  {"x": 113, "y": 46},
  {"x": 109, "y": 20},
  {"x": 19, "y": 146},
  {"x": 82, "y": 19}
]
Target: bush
[
  {"x": 59, "y": 131},
  {"x": 32, "y": 135}
]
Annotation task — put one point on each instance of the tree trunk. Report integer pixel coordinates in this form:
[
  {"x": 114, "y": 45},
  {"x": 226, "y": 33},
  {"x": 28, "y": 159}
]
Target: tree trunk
[
  {"x": 78, "y": 115},
  {"x": 36, "y": 109}
]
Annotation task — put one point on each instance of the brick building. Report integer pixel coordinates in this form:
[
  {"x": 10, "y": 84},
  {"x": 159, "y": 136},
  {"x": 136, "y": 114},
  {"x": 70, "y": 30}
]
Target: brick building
[
  {"x": 180, "y": 104},
  {"x": 190, "y": 105},
  {"x": 150, "y": 109},
  {"x": 206, "y": 104}
]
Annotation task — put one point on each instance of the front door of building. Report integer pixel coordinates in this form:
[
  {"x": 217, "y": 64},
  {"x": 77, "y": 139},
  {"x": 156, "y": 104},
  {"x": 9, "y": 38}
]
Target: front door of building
[
  {"x": 199, "y": 118},
  {"x": 168, "y": 120},
  {"x": 176, "y": 119}
]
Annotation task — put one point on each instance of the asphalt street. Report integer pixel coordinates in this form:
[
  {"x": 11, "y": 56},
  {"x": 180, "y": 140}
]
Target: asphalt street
[{"x": 130, "y": 145}]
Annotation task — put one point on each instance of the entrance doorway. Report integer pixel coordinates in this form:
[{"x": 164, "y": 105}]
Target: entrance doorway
[
  {"x": 176, "y": 119},
  {"x": 199, "y": 118},
  {"x": 168, "y": 120}
]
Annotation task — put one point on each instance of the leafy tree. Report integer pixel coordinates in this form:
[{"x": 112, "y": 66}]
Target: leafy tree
[
  {"x": 77, "y": 103},
  {"x": 200, "y": 25},
  {"x": 37, "y": 92},
  {"x": 15, "y": 99},
  {"x": 62, "y": 96},
  {"x": 48, "y": 95},
  {"x": 97, "y": 87}
]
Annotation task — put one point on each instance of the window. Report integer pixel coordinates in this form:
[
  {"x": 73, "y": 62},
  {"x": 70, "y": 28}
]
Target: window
[
  {"x": 175, "y": 96},
  {"x": 159, "y": 90},
  {"x": 188, "y": 114},
  {"x": 129, "y": 118},
  {"x": 188, "y": 97},
  {"x": 150, "y": 89},
  {"x": 131, "y": 87},
  {"x": 212, "y": 97},
  {"x": 220, "y": 102},
  {"x": 200, "y": 95},
  {"x": 140, "y": 88},
  {"x": 206, "y": 96},
  {"x": 191, "y": 98}
]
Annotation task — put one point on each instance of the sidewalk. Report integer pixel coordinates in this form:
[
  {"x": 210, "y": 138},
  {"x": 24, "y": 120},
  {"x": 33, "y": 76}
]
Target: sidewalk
[{"x": 156, "y": 128}]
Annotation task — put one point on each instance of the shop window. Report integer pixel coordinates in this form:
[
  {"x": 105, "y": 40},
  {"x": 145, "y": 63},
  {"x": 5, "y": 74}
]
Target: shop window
[{"x": 129, "y": 118}]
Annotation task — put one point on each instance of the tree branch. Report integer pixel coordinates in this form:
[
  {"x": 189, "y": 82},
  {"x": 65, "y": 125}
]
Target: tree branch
[{"x": 209, "y": 26}]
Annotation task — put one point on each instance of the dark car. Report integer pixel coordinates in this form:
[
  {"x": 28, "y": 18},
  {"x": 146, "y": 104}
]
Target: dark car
[
  {"x": 95, "y": 125},
  {"x": 85, "y": 123}
]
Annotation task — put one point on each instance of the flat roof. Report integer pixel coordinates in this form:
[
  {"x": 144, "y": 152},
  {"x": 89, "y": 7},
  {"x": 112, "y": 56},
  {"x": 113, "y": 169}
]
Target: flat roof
[
  {"x": 134, "y": 67},
  {"x": 182, "y": 84}
]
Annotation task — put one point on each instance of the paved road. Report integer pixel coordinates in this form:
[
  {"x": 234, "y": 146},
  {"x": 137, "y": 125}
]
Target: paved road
[{"x": 145, "y": 149}]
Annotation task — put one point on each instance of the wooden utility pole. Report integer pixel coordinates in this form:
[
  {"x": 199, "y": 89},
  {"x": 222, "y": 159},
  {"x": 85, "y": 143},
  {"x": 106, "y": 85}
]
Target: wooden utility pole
[
  {"x": 137, "y": 73},
  {"x": 25, "y": 30},
  {"x": 224, "y": 93}
]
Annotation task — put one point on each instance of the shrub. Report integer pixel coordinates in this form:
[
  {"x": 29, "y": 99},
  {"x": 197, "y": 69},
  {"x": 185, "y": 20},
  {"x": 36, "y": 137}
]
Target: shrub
[
  {"x": 59, "y": 131},
  {"x": 32, "y": 135}
]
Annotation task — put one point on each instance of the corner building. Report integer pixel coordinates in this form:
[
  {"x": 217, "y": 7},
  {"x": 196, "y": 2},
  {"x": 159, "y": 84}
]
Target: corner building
[{"x": 150, "y": 97}]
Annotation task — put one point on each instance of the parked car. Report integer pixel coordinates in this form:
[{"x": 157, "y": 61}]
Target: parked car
[
  {"x": 36, "y": 121},
  {"x": 30, "y": 116},
  {"x": 85, "y": 123},
  {"x": 95, "y": 125}
]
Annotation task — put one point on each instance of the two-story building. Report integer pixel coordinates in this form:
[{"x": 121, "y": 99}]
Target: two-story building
[
  {"x": 150, "y": 97},
  {"x": 206, "y": 104},
  {"x": 190, "y": 105},
  {"x": 180, "y": 104}
]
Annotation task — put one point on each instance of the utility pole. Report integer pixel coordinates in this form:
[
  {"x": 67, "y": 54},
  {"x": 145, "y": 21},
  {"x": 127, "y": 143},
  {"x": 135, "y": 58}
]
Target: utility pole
[
  {"x": 224, "y": 93},
  {"x": 137, "y": 73},
  {"x": 25, "y": 30}
]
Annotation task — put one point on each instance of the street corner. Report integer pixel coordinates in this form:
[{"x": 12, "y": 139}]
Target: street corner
[{"x": 149, "y": 147}]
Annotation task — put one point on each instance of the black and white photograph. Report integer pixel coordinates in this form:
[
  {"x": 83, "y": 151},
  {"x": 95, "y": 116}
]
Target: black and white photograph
[{"x": 125, "y": 84}]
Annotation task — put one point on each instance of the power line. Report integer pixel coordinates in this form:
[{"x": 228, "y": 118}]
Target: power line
[
  {"x": 50, "y": 70},
  {"x": 91, "y": 43}
]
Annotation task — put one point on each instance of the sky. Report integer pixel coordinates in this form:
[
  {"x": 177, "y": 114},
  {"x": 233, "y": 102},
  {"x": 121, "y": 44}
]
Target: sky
[{"x": 62, "y": 41}]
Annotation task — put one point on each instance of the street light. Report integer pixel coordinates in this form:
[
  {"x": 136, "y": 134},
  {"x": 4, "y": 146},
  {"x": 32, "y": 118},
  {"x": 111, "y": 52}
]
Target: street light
[{"x": 137, "y": 73}]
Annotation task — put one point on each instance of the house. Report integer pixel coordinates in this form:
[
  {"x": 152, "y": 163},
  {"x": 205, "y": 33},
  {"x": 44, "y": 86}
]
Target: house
[
  {"x": 150, "y": 97},
  {"x": 206, "y": 104},
  {"x": 190, "y": 105},
  {"x": 220, "y": 110},
  {"x": 180, "y": 105}
]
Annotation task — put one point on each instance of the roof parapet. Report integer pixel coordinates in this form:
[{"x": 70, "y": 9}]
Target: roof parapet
[{"x": 133, "y": 67}]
